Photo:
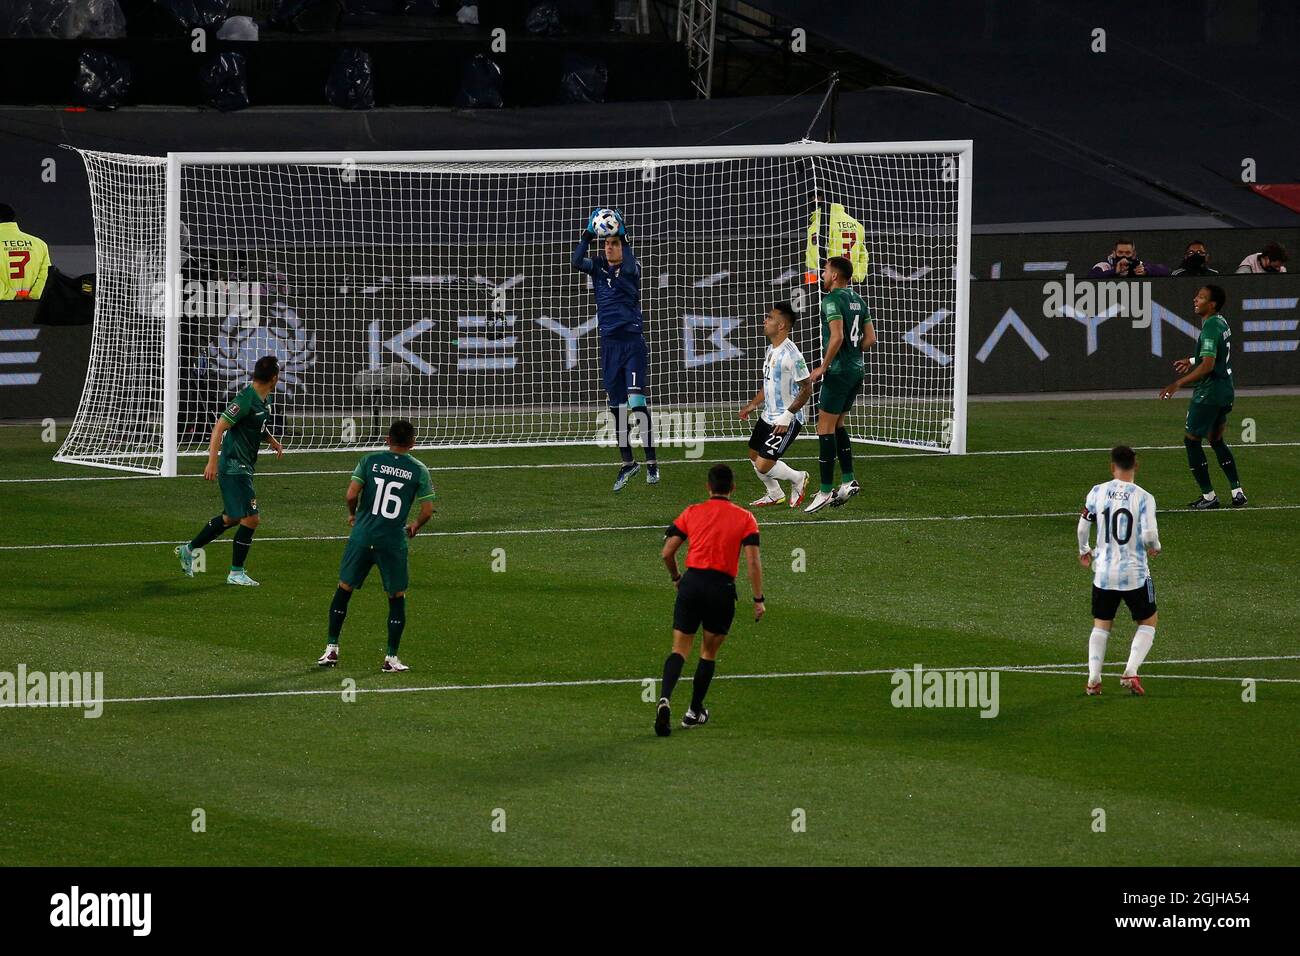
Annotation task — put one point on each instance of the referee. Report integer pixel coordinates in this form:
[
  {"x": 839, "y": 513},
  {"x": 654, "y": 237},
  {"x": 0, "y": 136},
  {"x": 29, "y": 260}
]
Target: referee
[{"x": 706, "y": 593}]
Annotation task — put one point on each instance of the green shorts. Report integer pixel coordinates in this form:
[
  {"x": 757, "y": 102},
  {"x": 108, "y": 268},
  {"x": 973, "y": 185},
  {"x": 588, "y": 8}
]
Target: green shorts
[
  {"x": 1204, "y": 418},
  {"x": 238, "y": 499},
  {"x": 839, "y": 389},
  {"x": 359, "y": 557}
]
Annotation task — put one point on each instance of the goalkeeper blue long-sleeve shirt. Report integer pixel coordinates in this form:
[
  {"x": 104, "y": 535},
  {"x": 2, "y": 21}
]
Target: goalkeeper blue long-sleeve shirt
[{"x": 617, "y": 289}]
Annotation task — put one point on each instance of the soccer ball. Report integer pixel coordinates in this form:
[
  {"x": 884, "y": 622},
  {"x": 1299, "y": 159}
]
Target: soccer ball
[{"x": 604, "y": 223}]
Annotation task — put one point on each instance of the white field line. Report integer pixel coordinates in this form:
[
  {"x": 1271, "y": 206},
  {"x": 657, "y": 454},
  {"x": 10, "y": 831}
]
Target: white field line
[
  {"x": 609, "y": 681},
  {"x": 504, "y": 532},
  {"x": 613, "y": 464},
  {"x": 1145, "y": 676},
  {"x": 1188, "y": 660}
]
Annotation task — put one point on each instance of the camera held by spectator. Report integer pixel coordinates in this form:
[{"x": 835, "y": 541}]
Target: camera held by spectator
[
  {"x": 1272, "y": 258},
  {"x": 1196, "y": 261},
  {"x": 1123, "y": 262}
]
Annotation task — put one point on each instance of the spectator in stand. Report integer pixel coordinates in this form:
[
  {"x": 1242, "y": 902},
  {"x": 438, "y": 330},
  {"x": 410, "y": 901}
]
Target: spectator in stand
[
  {"x": 1272, "y": 258},
  {"x": 1196, "y": 261},
  {"x": 24, "y": 260},
  {"x": 1123, "y": 262}
]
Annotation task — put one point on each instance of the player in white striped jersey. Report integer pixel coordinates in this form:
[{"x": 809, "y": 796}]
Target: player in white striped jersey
[
  {"x": 787, "y": 388},
  {"x": 1125, "y": 516}
]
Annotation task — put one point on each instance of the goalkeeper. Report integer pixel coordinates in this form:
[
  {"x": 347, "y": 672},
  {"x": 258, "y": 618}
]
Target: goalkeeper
[{"x": 616, "y": 281}]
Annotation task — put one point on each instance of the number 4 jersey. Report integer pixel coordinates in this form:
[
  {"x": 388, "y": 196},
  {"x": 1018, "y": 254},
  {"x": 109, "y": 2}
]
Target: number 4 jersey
[
  {"x": 1125, "y": 516},
  {"x": 390, "y": 484},
  {"x": 850, "y": 308}
]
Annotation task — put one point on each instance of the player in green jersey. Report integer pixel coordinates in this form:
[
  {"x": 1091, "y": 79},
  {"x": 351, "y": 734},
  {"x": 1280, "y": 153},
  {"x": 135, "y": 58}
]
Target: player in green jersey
[
  {"x": 1210, "y": 369},
  {"x": 847, "y": 332},
  {"x": 238, "y": 434},
  {"x": 384, "y": 487}
]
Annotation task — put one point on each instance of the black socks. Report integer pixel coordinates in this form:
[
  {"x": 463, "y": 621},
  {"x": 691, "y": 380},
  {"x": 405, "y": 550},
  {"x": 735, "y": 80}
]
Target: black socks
[
  {"x": 672, "y": 671},
  {"x": 703, "y": 674},
  {"x": 1227, "y": 462},
  {"x": 646, "y": 429},
  {"x": 396, "y": 623},
  {"x": 845, "y": 450},
  {"x": 243, "y": 541},
  {"x": 338, "y": 611},
  {"x": 1200, "y": 465},
  {"x": 211, "y": 531},
  {"x": 621, "y": 422},
  {"x": 826, "y": 460}
]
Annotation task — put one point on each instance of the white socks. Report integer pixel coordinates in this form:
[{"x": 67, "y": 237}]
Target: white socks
[
  {"x": 770, "y": 483},
  {"x": 1142, "y": 640},
  {"x": 1097, "y": 653},
  {"x": 783, "y": 472}
]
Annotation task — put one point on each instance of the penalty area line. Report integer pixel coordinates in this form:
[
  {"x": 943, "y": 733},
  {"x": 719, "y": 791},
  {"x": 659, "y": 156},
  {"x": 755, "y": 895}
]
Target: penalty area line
[
  {"x": 1057, "y": 670},
  {"x": 597, "y": 529}
]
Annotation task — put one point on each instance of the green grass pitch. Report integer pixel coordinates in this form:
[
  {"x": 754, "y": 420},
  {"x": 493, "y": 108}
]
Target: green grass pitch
[{"x": 941, "y": 561}]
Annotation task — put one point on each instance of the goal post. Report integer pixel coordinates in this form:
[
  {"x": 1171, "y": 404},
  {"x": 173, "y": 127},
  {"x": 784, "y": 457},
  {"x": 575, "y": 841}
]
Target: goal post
[{"x": 437, "y": 286}]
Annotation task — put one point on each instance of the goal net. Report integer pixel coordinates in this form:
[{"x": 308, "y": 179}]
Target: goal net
[{"x": 438, "y": 287}]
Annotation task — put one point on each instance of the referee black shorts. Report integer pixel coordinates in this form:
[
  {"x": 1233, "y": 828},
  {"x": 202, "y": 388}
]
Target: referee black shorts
[
  {"x": 1141, "y": 602},
  {"x": 764, "y": 439},
  {"x": 705, "y": 597}
]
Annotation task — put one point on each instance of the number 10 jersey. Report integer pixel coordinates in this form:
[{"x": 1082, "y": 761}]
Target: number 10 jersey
[{"x": 1125, "y": 515}]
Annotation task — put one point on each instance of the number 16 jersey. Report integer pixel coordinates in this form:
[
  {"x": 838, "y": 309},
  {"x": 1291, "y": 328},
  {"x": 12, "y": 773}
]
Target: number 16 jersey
[
  {"x": 1125, "y": 515},
  {"x": 390, "y": 484}
]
